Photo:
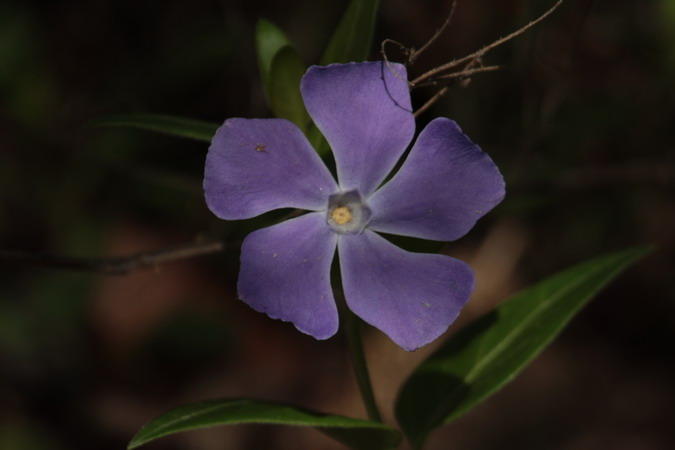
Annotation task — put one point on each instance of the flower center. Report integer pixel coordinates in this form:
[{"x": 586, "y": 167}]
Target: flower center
[
  {"x": 341, "y": 215},
  {"x": 348, "y": 212}
]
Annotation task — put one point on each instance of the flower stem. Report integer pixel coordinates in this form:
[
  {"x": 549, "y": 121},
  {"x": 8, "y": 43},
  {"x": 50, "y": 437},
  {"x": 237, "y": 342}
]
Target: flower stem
[{"x": 353, "y": 328}]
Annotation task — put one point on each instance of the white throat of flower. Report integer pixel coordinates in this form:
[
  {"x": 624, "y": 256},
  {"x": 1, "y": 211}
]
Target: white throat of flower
[{"x": 348, "y": 212}]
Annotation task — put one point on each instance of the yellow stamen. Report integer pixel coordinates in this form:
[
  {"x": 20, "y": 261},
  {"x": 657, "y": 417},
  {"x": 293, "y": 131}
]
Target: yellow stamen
[{"x": 341, "y": 215}]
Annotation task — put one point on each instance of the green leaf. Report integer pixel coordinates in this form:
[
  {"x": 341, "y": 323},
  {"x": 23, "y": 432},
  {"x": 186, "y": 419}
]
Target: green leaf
[
  {"x": 353, "y": 35},
  {"x": 356, "y": 433},
  {"x": 175, "y": 126},
  {"x": 269, "y": 40},
  {"x": 317, "y": 140},
  {"x": 285, "y": 100},
  {"x": 492, "y": 350},
  {"x": 281, "y": 70}
]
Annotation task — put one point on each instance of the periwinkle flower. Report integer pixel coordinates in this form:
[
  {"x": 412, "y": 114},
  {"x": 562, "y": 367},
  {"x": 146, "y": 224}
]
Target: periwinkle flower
[{"x": 444, "y": 186}]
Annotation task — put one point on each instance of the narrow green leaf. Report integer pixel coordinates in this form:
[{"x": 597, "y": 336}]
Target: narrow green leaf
[
  {"x": 356, "y": 433},
  {"x": 269, "y": 40},
  {"x": 353, "y": 35},
  {"x": 317, "y": 140},
  {"x": 281, "y": 70},
  {"x": 285, "y": 100},
  {"x": 495, "y": 348},
  {"x": 175, "y": 126}
]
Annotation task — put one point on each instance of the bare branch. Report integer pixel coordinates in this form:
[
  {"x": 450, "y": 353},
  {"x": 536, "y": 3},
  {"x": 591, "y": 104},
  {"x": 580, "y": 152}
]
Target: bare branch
[
  {"x": 441, "y": 92},
  {"x": 478, "y": 54},
  {"x": 461, "y": 76},
  {"x": 120, "y": 265},
  {"x": 466, "y": 73},
  {"x": 409, "y": 53},
  {"x": 383, "y": 50},
  {"x": 415, "y": 53}
]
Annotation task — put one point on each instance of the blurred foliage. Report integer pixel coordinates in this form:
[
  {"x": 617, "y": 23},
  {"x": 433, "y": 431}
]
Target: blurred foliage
[
  {"x": 281, "y": 70},
  {"x": 492, "y": 350},
  {"x": 579, "y": 121}
]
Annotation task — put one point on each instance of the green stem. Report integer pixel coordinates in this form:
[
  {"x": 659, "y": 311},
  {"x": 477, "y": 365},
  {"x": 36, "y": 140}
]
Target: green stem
[{"x": 352, "y": 325}]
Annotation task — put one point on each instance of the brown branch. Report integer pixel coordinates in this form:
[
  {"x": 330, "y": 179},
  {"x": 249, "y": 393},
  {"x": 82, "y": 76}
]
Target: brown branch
[
  {"x": 409, "y": 53},
  {"x": 415, "y": 53},
  {"x": 441, "y": 92},
  {"x": 464, "y": 73},
  {"x": 120, "y": 265},
  {"x": 463, "y": 76},
  {"x": 434, "y": 76},
  {"x": 478, "y": 54},
  {"x": 383, "y": 50}
]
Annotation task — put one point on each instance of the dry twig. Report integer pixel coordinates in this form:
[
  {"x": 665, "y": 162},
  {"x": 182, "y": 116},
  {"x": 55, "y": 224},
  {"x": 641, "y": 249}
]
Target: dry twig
[
  {"x": 120, "y": 265},
  {"x": 471, "y": 64},
  {"x": 477, "y": 55},
  {"x": 410, "y": 53}
]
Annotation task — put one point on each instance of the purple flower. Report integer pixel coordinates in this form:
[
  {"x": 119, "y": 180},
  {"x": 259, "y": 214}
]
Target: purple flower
[{"x": 444, "y": 186}]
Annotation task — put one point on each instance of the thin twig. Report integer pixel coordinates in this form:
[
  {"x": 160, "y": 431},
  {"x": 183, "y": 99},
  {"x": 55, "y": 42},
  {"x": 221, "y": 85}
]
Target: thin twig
[
  {"x": 120, "y": 265},
  {"x": 441, "y": 92},
  {"x": 463, "y": 76},
  {"x": 414, "y": 54},
  {"x": 482, "y": 51},
  {"x": 464, "y": 82},
  {"x": 409, "y": 53},
  {"x": 406, "y": 52},
  {"x": 383, "y": 50},
  {"x": 466, "y": 73}
]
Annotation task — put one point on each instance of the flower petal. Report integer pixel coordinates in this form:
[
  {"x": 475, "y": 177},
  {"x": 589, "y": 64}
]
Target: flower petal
[
  {"x": 412, "y": 297},
  {"x": 257, "y": 165},
  {"x": 446, "y": 184},
  {"x": 364, "y": 112},
  {"x": 285, "y": 273}
]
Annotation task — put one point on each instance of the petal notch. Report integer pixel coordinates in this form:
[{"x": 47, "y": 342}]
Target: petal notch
[
  {"x": 446, "y": 184},
  {"x": 285, "y": 273},
  {"x": 364, "y": 112},
  {"x": 411, "y": 297}
]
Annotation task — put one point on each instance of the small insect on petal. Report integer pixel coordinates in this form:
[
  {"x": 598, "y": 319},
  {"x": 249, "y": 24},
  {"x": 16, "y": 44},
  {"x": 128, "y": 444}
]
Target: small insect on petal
[{"x": 260, "y": 148}]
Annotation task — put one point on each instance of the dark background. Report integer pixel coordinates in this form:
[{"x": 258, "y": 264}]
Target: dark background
[{"x": 580, "y": 121}]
